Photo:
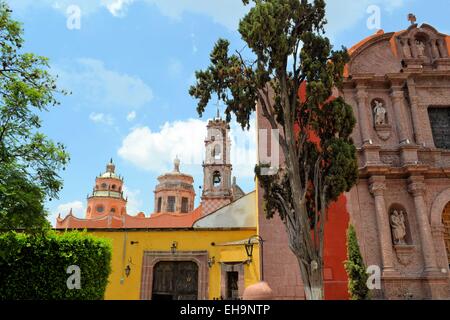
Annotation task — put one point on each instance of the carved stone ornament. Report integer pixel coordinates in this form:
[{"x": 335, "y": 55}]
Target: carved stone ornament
[{"x": 404, "y": 253}]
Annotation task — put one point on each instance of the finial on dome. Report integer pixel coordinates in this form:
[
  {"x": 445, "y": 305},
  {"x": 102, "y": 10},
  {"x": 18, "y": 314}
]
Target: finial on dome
[
  {"x": 176, "y": 164},
  {"x": 110, "y": 167}
]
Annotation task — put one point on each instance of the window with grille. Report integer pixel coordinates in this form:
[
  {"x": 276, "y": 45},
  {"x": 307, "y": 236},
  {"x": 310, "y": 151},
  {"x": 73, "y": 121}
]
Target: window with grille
[
  {"x": 171, "y": 204},
  {"x": 184, "y": 205},
  {"x": 159, "y": 204},
  {"x": 440, "y": 126}
]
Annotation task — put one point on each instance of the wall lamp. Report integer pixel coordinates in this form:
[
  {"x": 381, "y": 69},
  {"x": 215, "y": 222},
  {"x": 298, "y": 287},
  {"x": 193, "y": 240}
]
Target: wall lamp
[
  {"x": 249, "y": 251},
  {"x": 127, "y": 271},
  {"x": 211, "y": 261},
  {"x": 174, "y": 246}
]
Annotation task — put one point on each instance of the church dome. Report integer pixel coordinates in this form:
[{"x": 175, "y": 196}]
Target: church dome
[{"x": 175, "y": 191}]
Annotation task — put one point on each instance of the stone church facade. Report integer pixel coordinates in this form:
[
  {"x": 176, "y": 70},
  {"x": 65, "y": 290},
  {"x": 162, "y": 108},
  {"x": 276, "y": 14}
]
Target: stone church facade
[{"x": 399, "y": 87}]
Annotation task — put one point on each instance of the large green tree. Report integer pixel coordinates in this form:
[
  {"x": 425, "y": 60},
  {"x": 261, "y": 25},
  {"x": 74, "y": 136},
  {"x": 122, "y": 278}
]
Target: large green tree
[
  {"x": 289, "y": 49},
  {"x": 29, "y": 161}
]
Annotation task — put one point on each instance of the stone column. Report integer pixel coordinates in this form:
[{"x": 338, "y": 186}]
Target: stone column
[
  {"x": 416, "y": 187},
  {"x": 435, "y": 49},
  {"x": 442, "y": 48},
  {"x": 363, "y": 108},
  {"x": 414, "y": 99},
  {"x": 398, "y": 98},
  {"x": 377, "y": 188}
]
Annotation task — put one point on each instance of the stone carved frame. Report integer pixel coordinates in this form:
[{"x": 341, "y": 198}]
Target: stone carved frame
[
  {"x": 151, "y": 258},
  {"x": 384, "y": 131},
  {"x": 226, "y": 267},
  {"x": 405, "y": 251}
]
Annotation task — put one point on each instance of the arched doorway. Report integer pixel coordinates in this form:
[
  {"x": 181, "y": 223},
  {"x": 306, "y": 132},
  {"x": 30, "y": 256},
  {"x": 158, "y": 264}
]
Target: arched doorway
[
  {"x": 175, "y": 280},
  {"x": 446, "y": 223}
]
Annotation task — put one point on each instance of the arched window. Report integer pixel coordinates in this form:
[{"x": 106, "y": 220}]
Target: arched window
[
  {"x": 184, "y": 205},
  {"x": 113, "y": 187},
  {"x": 171, "y": 204},
  {"x": 104, "y": 186},
  {"x": 217, "y": 179},
  {"x": 159, "y": 205},
  {"x": 100, "y": 208}
]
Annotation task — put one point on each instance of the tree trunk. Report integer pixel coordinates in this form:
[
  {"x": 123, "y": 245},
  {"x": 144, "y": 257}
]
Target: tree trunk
[
  {"x": 311, "y": 273},
  {"x": 312, "y": 280}
]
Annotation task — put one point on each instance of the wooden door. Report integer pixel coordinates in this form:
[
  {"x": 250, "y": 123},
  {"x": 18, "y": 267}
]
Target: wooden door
[
  {"x": 175, "y": 280},
  {"x": 446, "y": 222}
]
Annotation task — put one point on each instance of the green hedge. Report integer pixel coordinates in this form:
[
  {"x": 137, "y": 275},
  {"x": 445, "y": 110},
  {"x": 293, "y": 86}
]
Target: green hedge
[
  {"x": 35, "y": 266},
  {"x": 356, "y": 269}
]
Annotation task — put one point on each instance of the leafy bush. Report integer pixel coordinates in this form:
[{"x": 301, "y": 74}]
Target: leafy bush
[
  {"x": 356, "y": 269},
  {"x": 34, "y": 266}
]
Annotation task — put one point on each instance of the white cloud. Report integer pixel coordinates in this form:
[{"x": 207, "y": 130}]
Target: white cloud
[
  {"x": 94, "y": 84},
  {"x": 155, "y": 151},
  {"x": 101, "y": 118},
  {"x": 224, "y": 12},
  {"x": 131, "y": 116},
  {"x": 77, "y": 207},
  {"x": 87, "y": 6},
  {"x": 134, "y": 204},
  {"x": 342, "y": 15},
  {"x": 117, "y": 7},
  {"x": 243, "y": 149}
]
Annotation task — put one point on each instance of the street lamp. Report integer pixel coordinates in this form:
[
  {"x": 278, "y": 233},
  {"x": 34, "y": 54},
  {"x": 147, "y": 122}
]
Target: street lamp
[{"x": 249, "y": 251}]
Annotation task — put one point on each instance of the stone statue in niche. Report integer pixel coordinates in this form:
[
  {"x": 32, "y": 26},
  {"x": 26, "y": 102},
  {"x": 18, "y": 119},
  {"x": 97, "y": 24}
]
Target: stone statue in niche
[
  {"x": 380, "y": 113},
  {"x": 420, "y": 48},
  {"x": 398, "y": 225},
  {"x": 406, "y": 48}
]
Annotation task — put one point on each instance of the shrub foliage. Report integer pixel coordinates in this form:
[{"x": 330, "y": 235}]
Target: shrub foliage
[
  {"x": 356, "y": 269},
  {"x": 34, "y": 266}
]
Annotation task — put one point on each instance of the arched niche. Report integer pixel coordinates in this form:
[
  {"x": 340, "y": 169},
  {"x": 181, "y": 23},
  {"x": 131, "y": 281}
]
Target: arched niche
[
  {"x": 438, "y": 206},
  {"x": 399, "y": 223}
]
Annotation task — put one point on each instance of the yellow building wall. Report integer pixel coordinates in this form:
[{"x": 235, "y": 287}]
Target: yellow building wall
[{"x": 121, "y": 287}]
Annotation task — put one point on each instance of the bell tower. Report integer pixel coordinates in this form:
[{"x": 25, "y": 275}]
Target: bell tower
[
  {"x": 107, "y": 196},
  {"x": 217, "y": 187}
]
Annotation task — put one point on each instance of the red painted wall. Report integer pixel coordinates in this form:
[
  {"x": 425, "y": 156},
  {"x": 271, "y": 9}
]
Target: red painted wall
[{"x": 335, "y": 251}]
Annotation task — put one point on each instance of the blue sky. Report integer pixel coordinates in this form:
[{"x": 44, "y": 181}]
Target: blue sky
[{"x": 129, "y": 67}]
